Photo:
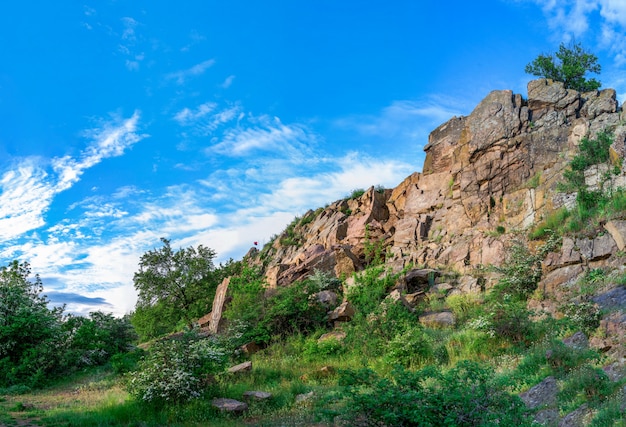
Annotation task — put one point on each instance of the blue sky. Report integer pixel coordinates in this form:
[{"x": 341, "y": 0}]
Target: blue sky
[{"x": 216, "y": 123}]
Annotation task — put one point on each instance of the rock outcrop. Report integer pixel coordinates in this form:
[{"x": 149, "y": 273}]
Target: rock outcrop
[{"x": 494, "y": 170}]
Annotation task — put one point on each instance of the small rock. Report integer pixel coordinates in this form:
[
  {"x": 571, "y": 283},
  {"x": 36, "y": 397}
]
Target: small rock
[
  {"x": 343, "y": 313},
  {"x": 543, "y": 394},
  {"x": 578, "y": 418},
  {"x": 338, "y": 335},
  {"x": 257, "y": 395},
  {"x": 242, "y": 367},
  {"x": 229, "y": 405},
  {"x": 578, "y": 341},
  {"x": 305, "y": 397},
  {"x": 440, "y": 319},
  {"x": 250, "y": 348}
]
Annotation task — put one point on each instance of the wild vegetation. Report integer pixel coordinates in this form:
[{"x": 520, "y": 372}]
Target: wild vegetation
[
  {"x": 569, "y": 65},
  {"x": 384, "y": 367}
]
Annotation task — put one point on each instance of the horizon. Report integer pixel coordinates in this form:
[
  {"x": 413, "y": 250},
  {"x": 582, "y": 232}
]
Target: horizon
[{"x": 217, "y": 124}]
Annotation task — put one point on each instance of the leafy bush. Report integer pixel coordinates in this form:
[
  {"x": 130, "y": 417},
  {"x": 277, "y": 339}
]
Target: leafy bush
[
  {"x": 177, "y": 369},
  {"x": 356, "y": 193},
  {"x": 370, "y": 288},
  {"x": 467, "y": 395},
  {"x": 280, "y": 313},
  {"x": 584, "y": 316},
  {"x": 569, "y": 65},
  {"x": 521, "y": 270},
  {"x": 411, "y": 348},
  {"x": 588, "y": 383}
]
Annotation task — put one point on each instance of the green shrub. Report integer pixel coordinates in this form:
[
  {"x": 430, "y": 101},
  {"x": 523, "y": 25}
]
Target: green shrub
[
  {"x": 370, "y": 288},
  {"x": 411, "y": 348},
  {"x": 467, "y": 395},
  {"x": 521, "y": 270},
  {"x": 126, "y": 362},
  {"x": 356, "y": 193},
  {"x": 584, "y": 316},
  {"x": 314, "y": 350},
  {"x": 177, "y": 369},
  {"x": 587, "y": 384}
]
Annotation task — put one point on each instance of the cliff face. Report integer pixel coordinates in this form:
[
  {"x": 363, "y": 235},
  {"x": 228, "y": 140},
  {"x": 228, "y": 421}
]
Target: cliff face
[{"x": 496, "y": 169}]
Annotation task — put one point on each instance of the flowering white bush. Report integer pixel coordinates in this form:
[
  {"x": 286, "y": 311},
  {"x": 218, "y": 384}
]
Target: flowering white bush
[{"x": 175, "y": 369}]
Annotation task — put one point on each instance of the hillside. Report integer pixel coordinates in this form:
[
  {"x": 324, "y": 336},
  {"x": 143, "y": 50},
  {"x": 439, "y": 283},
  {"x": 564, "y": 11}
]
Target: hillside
[
  {"x": 488, "y": 289},
  {"x": 462, "y": 229}
]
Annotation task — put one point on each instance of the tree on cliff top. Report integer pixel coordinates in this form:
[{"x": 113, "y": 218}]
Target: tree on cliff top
[{"x": 569, "y": 65}]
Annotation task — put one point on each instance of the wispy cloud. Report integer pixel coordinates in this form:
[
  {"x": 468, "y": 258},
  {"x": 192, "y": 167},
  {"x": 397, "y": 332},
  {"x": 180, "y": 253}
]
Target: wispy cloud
[
  {"x": 268, "y": 134},
  {"x": 180, "y": 77},
  {"x": 601, "y": 20},
  {"x": 405, "y": 121},
  {"x": 30, "y": 186},
  {"x": 188, "y": 116},
  {"x": 228, "y": 82}
]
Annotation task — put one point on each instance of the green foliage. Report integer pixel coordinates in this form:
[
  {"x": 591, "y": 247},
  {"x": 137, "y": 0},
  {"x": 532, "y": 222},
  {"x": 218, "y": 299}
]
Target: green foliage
[
  {"x": 569, "y": 65},
  {"x": 179, "y": 284},
  {"x": 584, "y": 316},
  {"x": 289, "y": 237},
  {"x": 370, "y": 288},
  {"x": 586, "y": 384},
  {"x": 126, "y": 362},
  {"x": 521, "y": 270},
  {"x": 177, "y": 369},
  {"x": 356, "y": 193},
  {"x": 38, "y": 344},
  {"x": 93, "y": 340},
  {"x": 374, "y": 249},
  {"x": 329, "y": 347},
  {"x": 553, "y": 223},
  {"x": 30, "y": 333},
  {"x": 282, "y": 312},
  {"x": 411, "y": 348},
  {"x": 466, "y": 395}
]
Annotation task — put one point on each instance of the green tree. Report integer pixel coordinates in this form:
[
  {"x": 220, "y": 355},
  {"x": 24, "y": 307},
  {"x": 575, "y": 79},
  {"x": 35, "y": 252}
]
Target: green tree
[
  {"x": 29, "y": 330},
  {"x": 569, "y": 65},
  {"x": 184, "y": 281}
]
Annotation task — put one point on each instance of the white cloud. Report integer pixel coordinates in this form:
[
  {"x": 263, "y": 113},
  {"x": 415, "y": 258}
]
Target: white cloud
[
  {"x": 188, "y": 116},
  {"x": 228, "y": 82},
  {"x": 28, "y": 189},
  {"x": 269, "y": 135},
  {"x": 603, "y": 20},
  {"x": 181, "y": 76},
  {"x": 404, "y": 121}
]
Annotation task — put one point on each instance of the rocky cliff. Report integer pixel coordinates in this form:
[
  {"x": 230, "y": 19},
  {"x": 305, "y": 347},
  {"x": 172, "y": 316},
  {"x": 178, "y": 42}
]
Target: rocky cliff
[{"x": 485, "y": 174}]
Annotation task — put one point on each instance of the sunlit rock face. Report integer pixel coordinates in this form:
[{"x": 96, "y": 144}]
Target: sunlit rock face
[{"x": 491, "y": 172}]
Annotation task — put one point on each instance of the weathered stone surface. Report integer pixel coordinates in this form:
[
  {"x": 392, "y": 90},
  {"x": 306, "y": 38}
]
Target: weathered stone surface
[
  {"x": 242, "y": 367},
  {"x": 257, "y": 395},
  {"x": 578, "y": 341},
  {"x": 336, "y": 334},
  {"x": 326, "y": 298},
  {"x": 546, "y": 96},
  {"x": 617, "y": 230},
  {"x": 613, "y": 335},
  {"x": 229, "y": 405},
  {"x": 598, "y": 103},
  {"x": 603, "y": 247},
  {"x": 305, "y": 397},
  {"x": 440, "y": 319},
  {"x": 554, "y": 280},
  {"x": 578, "y": 418},
  {"x": 219, "y": 302},
  {"x": 612, "y": 299},
  {"x": 343, "y": 313},
  {"x": 543, "y": 394}
]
